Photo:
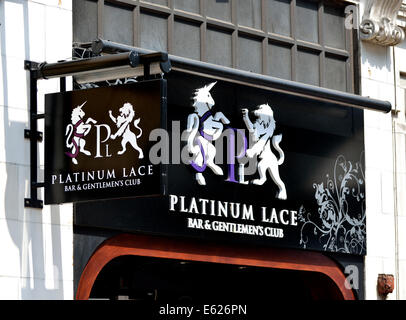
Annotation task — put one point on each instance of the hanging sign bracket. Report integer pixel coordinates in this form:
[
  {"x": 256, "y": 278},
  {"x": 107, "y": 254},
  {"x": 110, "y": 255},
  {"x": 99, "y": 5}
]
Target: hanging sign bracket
[{"x": 98, "y": 68}]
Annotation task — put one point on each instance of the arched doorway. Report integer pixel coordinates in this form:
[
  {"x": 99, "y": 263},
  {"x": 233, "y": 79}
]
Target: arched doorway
[{"x": 118, "y": 265}]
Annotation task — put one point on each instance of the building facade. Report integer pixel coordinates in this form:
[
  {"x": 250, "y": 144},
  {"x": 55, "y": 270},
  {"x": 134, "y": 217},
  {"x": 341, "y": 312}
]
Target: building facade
[{"x": 355, "y": 47}]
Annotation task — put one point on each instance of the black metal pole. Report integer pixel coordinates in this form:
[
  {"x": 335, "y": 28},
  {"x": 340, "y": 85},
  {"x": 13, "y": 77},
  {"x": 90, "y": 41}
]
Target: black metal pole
[
  {"x": 34, "y": 136},
  {"x": 33, "y": 140},
  {"x": 62, "y": 84},
  {"x": 106, "y": 46},
  {"x": 292, "y": 87},
  {"x": 66, "y": 68},
  {"x": 146, "y": 56}
]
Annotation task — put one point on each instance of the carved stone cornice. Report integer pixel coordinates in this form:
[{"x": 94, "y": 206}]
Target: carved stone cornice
[
  {"x": 402, "y": 16},
  {"x": 379, "y": 22}
]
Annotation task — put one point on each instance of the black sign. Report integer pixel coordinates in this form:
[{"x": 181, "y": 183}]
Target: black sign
[
  {"x": 97, "y": 142},
  {"x": 255, "y": 166}
]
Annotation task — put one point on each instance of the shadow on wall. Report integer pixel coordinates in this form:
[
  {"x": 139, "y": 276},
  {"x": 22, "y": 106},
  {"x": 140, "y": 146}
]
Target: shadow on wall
[
  {"x": 372, "y": 56},
  {"x": 25, "y": 226}
]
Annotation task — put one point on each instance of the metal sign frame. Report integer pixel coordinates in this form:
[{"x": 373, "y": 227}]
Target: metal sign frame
[{"x": 62, "y": 69}]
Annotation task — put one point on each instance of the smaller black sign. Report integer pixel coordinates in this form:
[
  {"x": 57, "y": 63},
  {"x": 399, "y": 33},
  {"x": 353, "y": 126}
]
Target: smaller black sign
[{"x": 97, "y": 142}]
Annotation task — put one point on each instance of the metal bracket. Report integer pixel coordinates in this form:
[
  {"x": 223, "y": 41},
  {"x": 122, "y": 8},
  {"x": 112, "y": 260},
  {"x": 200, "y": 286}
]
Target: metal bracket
[
  {"x": 34, "y": 136},
  {"x": 60, "y": 70},
  {"x": 148, "y": 59},
  {"x": 33, "y": 68},
  {"x": 37, "y": 135},
  {"x": 100, "y": 46},
  {"x": 33, "y": 203},
  {"x": 31, "y": 65}
]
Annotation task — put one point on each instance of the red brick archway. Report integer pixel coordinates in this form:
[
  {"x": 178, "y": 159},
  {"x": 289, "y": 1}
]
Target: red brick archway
[{"x": 159, "y": 247}]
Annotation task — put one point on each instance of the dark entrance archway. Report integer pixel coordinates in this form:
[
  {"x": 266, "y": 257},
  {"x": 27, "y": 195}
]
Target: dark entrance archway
[
  {"x": 176, "y": 281},
  {"x": 144, "y": 267}
]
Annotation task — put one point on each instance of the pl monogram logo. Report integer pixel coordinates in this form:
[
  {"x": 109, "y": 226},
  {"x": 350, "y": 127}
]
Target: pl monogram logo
[
  {"x": 79, "y": 128},
  {"x": 205, "y": 127}
]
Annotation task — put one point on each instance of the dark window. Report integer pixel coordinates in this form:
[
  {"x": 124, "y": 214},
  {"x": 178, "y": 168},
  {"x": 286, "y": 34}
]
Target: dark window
[
  {"x": 219, "y": 10},
  {"x": 300, "y": 40},
  {"x": 84, "y": 20},
  {"x": 307, "y": 21},
  {"x": 249, "y": 13},
  {"x": 280, "y": 60},
  {"x": 279, "y": 16},
  {"x": 249, "y": 54},
  {"x": 114, "y": 19},
  {"x": 153, "y": 32},
  {"x": 186, "y": 39},
  {"x": 188, "y": 5},
  {"x": 219, "y": 47},
  {"x": 308, "y": 66}
]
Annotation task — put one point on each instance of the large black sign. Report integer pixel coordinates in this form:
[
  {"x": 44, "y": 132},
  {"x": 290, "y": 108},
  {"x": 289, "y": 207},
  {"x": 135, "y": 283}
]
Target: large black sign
[
  {"x": 97, "y": 142},
  {"x": 255, "y": 166}
]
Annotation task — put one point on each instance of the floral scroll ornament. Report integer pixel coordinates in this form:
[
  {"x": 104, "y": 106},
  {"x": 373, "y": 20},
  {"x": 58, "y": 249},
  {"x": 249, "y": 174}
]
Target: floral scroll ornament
[{"x": 340, "y": 223}]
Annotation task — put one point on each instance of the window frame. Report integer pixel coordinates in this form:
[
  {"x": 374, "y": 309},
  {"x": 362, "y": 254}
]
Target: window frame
[{"x": 349, "y": 53}]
